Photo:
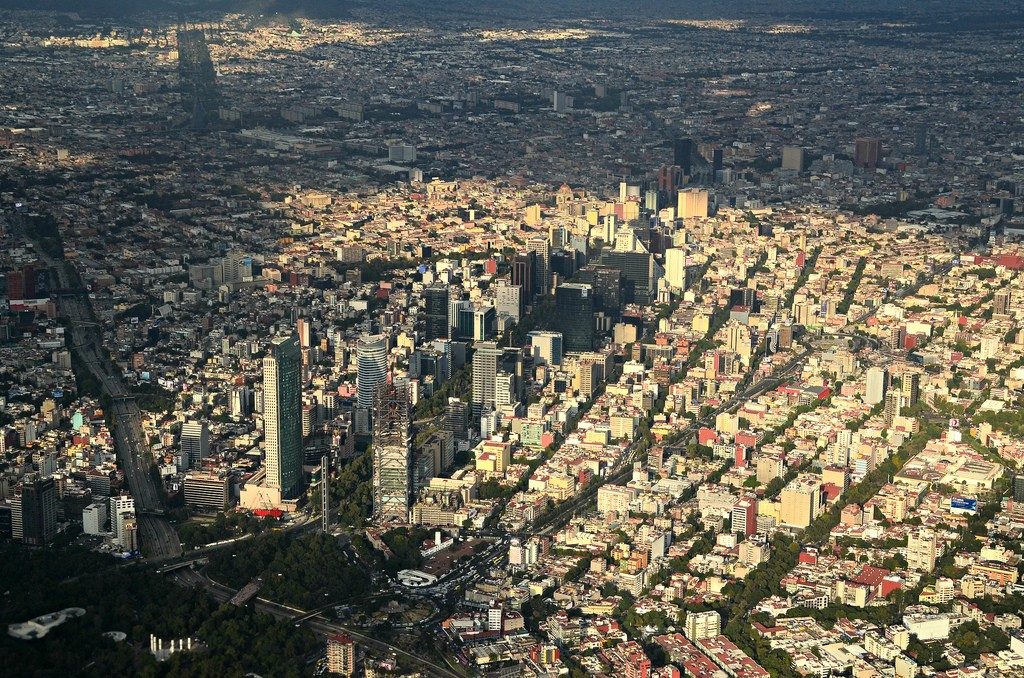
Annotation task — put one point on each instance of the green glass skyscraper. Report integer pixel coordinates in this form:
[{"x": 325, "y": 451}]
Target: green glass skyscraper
[{"x": 282, "y": 415}]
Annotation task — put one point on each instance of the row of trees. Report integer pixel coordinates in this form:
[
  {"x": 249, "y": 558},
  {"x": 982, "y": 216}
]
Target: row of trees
[{"x": 851, "y": 289}]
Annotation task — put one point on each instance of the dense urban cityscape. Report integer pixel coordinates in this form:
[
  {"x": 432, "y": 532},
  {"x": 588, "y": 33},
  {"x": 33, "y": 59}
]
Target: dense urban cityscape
[{"x": 465, "y": 339}]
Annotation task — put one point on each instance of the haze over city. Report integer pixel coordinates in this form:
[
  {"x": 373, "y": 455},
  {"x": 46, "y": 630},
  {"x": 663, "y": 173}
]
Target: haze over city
[{"x": 449, "y": 339}]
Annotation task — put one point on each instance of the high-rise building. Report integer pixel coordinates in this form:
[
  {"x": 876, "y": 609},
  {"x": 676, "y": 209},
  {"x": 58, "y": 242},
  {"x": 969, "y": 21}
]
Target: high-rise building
[
  {"x": 607, "y": 284},
  {"x": 94, "y": 518},
  {"x": 639, "y": 274},
  {"x": 392, "y": 454},
  {"x": 921, "y": 139},
  {"x": 897, "y": 337},
  {"x": 867, "y": 152},
  {"x": 1001, "y": 302},
  {"x": 541, "y": 248},
  {"x": 456, "y": 417},
  {"x": 208, "y": 490},
  {"x": 485, "y": 373},
  {"x": 122, "y": 510},
  {"x": 910, "y": 386},
  {"x": 922, "y": 550},
  {"x": 744, "y": 517},
  {"x": 574, "y": 304},
  {"x": 508, "y": 300},
  {"x": 675, "y": 268},
  {"x": 435, "y": 300},
  {"x": 341, "y": 654},
  {"x": 701, "y": 625},
  {"x": 876, "y": 386},
  {"x": 485, "y": 323},
  {"x": 34, "y": 510},
  {"x": 241, "y": 402},
  {"x": 892, "y": 409},
  {"x": 195, "y": 442},
  {"x": 460, "y": 319},
  {"x": 692, "y": 203},
  {"x": 800, "y": 501},
  {"x": 682, "y": 155},
  {"x": 282, "y": 415},
  {"x": 524, "y": 274},
  {"x": 372, "y": 367},
  {"x": 546, "y": 347},
  {"x": 1017, "y": 487},
  {"x": 304, "y": 330},
  {"x": 793, "y": 158}
]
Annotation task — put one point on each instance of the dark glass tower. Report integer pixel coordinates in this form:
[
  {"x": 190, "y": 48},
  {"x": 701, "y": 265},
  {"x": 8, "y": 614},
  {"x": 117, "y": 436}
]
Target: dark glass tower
[
  {"x": 574, "y": 303},
  {"x": 436, "y": 300}
]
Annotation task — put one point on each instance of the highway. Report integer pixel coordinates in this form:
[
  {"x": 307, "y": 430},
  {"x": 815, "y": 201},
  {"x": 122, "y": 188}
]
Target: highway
[
  {"x": 314, "y": 620},
  {"x": 156, "y": 536}
]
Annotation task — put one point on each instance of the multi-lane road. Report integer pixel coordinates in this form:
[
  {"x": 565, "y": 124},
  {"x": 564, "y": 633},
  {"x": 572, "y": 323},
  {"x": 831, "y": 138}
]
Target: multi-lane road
[
  {"x": 156, "y": 536},
  {"x": 313, "y": 620}
]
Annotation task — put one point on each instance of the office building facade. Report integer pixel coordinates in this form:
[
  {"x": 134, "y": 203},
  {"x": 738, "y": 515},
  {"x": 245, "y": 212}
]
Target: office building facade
[
  {"x": 574, "y": 303},
  {"x": 282, "y": 415}
]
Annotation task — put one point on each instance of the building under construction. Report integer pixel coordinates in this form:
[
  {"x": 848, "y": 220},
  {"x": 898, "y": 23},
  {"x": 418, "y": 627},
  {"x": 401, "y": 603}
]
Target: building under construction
[
  {"x": 197, "y": 77},
  {"x": 392, "y": 454}
]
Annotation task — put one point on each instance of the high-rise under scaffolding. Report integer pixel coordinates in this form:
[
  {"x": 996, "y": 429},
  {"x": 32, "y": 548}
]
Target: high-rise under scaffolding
[
  {"x": 392, "y": 468},
  {"x": 196, "y": 75}
]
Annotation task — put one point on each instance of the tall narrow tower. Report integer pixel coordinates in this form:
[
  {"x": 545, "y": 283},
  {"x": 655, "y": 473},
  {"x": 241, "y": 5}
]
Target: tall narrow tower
[
  {"x": 392, "y": 454},
  {"x": 282, "y": 415},
  {"x": 325, "y": 494}
]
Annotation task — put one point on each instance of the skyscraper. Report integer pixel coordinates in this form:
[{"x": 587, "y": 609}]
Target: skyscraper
[
  {"x": 195, "y": 442},
  {"x": 682, "y": 155},
  {"x": 34, "y": 511},
  {"x": 392, "y": 454},
  {"x": 793, "y": 158},
  {"x": 435, "y": 300},
  {"x": 639, "y": 274},
  {"x": 875, "y": 387},
  {"x": 282, "y": 415},
  {"x": 371, "y": 368},
  {"x": 675, "y": 268},
  {"x": 305, "y": 331},
  {"x": 867, "y": 152},
  {"x": 910, "y": 386},
  {"x": 692, "y": 203},
  {"x": 485, "y": 372},
  {"x": 607, "y": 284},
  {"x": 540, "y": 246},
  {"x": 508, "y": 300},
  {"x": 122, "y": 511},
  {"x": 455, "y": 416},
  {"x": 574, "y": 304},
  {"x": 524, "y": 276},
  {"x": 1017, "y": 487}
]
